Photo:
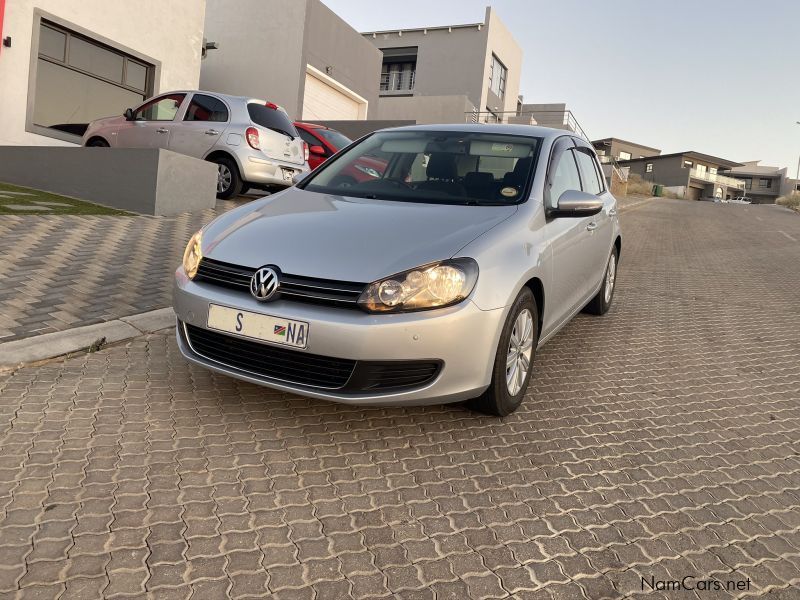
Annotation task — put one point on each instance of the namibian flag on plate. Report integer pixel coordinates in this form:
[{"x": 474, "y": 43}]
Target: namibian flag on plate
[{"x": 279, "y": 330}]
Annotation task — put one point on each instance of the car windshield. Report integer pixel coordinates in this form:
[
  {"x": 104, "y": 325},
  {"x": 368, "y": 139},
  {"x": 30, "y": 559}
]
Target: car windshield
[
  {"x": 434, "y": 167},
  {"x": 337, "y": 139},
  {"x": 275, "y": 119}
]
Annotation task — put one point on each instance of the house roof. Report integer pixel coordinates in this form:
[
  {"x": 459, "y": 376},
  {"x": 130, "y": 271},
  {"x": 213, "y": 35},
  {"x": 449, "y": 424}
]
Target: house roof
[
  {"x": 613, "y": 139},
  {"x": 722, "y": 162},
  {"x": 753, "y": 168}
]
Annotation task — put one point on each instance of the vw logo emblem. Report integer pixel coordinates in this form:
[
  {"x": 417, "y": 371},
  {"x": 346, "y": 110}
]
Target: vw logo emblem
[{"x": 264, "y": 283}]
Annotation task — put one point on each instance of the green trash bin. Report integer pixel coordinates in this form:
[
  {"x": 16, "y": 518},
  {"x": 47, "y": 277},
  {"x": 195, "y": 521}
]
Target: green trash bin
[{"x": 658, "y": 190}]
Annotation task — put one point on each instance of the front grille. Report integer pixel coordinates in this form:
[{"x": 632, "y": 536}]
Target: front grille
[
  {"x": 271, "y": 362},
  {"x": 343, "y": 294},
  {"x": 313, "y": 370}
]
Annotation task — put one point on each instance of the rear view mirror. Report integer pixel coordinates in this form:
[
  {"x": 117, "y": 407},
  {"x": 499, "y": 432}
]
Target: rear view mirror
[
  {"x": 128, "y": 114},
  {"x": 575, "y": 203}
]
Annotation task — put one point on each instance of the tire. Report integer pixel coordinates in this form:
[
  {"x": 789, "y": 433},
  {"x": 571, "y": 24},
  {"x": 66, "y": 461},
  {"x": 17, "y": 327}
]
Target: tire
[
  {"x": 97, "y": 143},
  {"x": 229, "y": 182},
  {"x": 505, "y": 393},
  {"x": 600, "y": 304},
  {"x": 245, "y": 188}
]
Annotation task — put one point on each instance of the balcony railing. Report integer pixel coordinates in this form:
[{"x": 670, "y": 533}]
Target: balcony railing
[
  {"x": 715, "y": 178},
  {"x": 558, "y": 119}
]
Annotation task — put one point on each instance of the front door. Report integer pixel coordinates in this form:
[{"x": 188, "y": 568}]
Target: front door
[
  {"x": 204, "y": 121},
  {"x": 570, "y": 240},
  {"x": 152, "y": 123}
]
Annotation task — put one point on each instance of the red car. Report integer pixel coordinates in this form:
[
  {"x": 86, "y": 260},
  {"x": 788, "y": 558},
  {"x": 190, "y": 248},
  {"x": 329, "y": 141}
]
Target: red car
[{"x": 323, "y": 142}]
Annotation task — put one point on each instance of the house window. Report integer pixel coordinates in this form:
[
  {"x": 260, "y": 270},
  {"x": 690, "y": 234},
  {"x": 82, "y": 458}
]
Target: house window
[
  {"x": 701, "y": 169},
  {"x": 712, "y": 170},
  {"x": 648, "y": 168},
  {"x": 399, "y": 69},
  {"x": 687, "y": 164},
  {"x": 748, "y": 183},
  {"x": 497, "y": 77},
  {"x": 765, "y": 183},
  {"x": 79, "y": 80},
  {"x": 624, "y": 155}
]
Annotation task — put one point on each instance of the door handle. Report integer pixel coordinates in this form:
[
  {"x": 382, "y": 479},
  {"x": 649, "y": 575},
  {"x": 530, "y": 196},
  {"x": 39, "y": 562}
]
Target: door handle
[
  {"x": 162, "y": 130},
  {"x": 591, "y": 226},
  {"x": 212, "y": 132},
  {"x": 612, "y": 212}
]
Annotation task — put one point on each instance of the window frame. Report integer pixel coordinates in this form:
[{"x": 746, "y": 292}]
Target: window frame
[
  {"x": 503, "y": 77},
  {"x": 761, "y": 184},
  {"x": 648, "y": 167},
  {"x": 42, "y": 17},
  {"x": 621, "y": 152}
]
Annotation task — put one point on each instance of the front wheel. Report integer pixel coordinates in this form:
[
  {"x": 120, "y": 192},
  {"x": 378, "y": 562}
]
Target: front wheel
[
  {"x": 600, "y": 304},
  {"x": 513, "y": 361},
  {"x": 97, "y": 143},
  {"x": 229, "y": 182}
]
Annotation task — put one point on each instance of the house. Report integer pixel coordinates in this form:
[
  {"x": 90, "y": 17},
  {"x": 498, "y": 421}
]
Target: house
[
  {"x": 690, "y": 174},
  {"x": 448, "y": 74},
  {"x": 296, "y": 53},
  {"x": 614, "y": 150},
  {"x": 763, "y": 184},
  {"x": 68, "y": 63}
]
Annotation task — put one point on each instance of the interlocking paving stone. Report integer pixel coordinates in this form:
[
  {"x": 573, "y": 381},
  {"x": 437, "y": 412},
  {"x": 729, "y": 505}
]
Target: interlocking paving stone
[{"x": 659, "y": 441}]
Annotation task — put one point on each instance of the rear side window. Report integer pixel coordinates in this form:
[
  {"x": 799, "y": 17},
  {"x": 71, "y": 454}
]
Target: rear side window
[
  {"x": 206, "y": 108},
  {"x": 589, "y": 179},
  {"x": 271, "y": 118}
]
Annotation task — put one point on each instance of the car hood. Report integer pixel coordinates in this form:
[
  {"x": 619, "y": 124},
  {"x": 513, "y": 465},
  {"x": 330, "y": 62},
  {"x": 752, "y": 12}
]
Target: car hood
[
  {"x": 106, "y": 121},
  {"x": 344, "y": 238}
]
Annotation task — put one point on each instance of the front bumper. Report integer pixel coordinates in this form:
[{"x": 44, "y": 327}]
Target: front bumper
[
  {"x": 257, "y": 168},
  {"x": 462, "y": 337}
]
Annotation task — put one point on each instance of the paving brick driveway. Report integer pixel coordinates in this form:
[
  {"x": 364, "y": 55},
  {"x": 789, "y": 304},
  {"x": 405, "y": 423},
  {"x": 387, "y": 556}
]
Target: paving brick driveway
[{"x": 662, "y": 440}]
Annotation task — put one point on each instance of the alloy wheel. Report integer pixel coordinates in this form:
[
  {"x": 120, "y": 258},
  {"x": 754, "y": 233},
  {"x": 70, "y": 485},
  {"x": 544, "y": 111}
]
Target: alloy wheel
[
  {"x": 611, "y": 274},
  {"x": 520, "y": 351},
  {"x": 223, "y": 178}
]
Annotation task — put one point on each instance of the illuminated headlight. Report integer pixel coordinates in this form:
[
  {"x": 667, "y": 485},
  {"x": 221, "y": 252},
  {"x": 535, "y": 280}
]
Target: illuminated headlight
[
  {"x": 430, "y": 286},
  {"x": 193, "y": 254}
]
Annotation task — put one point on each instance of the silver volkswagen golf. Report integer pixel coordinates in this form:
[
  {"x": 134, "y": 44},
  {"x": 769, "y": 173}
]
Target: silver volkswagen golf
[{"x": 432, "y": 280}]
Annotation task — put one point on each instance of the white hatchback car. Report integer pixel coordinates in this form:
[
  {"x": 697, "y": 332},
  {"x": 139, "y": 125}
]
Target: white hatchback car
[{"x": 253, "y": 142}]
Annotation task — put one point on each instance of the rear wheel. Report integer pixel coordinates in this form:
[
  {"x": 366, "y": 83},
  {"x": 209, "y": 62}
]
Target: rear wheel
[
  {"x": 229, "y": 182},
  {"x": 513, "y": 362},
  {"x": 600, "y": 304},
  {"x": 97, "y": 143}
]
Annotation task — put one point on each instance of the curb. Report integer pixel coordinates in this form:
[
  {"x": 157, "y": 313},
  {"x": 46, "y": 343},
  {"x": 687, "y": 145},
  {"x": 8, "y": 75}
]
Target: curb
[{"x": 51, "y": 345}]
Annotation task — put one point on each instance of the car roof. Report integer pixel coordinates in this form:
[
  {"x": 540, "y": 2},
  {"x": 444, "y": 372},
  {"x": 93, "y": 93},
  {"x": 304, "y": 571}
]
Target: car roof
[
  {"x": 547, "y": 133},
  {"x": 210, "y": 93}
]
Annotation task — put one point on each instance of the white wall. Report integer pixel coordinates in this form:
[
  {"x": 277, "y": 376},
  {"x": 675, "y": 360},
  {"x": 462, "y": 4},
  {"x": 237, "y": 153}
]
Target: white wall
[
  {"x": 170, "y": 34},
  {"x": 505, "y": 47}
]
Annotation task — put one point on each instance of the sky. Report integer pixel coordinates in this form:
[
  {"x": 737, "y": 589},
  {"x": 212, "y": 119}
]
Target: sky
[{"x": 715, "y": 76}]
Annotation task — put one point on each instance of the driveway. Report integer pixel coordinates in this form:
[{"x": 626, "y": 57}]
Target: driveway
[{"x": 658, "y": 442}]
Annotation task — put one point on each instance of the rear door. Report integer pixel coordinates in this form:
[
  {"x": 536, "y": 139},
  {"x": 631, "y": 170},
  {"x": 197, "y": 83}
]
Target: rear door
[
  {"x": 152, "y": 123},
  {"x": 204, "y": 121},
  {"x": 277, "y": 135}
]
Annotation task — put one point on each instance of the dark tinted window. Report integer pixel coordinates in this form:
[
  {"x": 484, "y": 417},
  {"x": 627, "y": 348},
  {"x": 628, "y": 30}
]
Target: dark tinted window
[
  {"x": 271, "y": 118},
  {"x": 307, "y": 137},
  {"x": 591, "y": 184},
  {"x": 206, "y": 108},
  {"x": 338, "y": 140}
]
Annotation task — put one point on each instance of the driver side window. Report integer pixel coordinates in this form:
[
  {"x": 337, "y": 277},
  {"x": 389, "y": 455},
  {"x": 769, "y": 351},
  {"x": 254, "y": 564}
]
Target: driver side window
[
  {"x": 565, "y": 176},
  {"x": 160, "y": 109}
]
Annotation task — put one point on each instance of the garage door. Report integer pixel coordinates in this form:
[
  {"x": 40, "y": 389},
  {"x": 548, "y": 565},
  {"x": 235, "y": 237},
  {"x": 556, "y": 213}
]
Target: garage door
[
  {"x": 693, "y": 193},
  {"x": 322, "y": 102}
]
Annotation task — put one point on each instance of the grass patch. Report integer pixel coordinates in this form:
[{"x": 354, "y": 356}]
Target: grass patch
[
  {"x": 36, "y": 200},
  {"x": 790, "y": 201}
]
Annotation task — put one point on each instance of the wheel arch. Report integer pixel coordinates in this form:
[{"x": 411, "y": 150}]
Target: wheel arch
[
  {"x": 535, "y": 285},
  {"x": 224, "y": 154},
  {"x": 618, "y": 244},
  {"x": 98, "y": 138}
]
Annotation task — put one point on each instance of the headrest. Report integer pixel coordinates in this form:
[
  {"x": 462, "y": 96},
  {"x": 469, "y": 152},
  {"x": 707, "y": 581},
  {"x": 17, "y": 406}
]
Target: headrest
[{"x": 441, "y": 165}]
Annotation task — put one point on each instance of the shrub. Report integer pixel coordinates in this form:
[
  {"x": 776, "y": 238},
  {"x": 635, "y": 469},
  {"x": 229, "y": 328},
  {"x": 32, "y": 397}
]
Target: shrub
[
  {"x": 791, "y": 200},
  {"x": 637, "y": 186}
]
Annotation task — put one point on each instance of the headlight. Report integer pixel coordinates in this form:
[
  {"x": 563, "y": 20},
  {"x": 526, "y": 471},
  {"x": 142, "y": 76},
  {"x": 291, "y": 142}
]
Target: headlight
[
  {"x": 193, "y": 254},
  {"x": 429, "y": 286}
]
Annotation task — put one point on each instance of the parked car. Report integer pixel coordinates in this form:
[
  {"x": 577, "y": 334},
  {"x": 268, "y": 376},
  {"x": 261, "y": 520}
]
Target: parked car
[
  {"x": 434, "y": 282},
  {"x": 324, "y": 142},
  {"x": 253, "y": 142},
  {"x": 741, "y": 200}
]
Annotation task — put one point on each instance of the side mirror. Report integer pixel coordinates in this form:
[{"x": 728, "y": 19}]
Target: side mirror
[
  {"x": 317, "y": 150},
  {"x": 128, "y": 114},
  {"x": 298, "y": 177},
  {"x": 574, "y": 203}
]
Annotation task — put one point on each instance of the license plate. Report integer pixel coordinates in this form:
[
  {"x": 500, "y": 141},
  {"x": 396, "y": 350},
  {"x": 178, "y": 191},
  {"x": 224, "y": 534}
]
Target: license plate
[
  {"x": 258, "y": 326},
  {"x": 287, "y": 174}
]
